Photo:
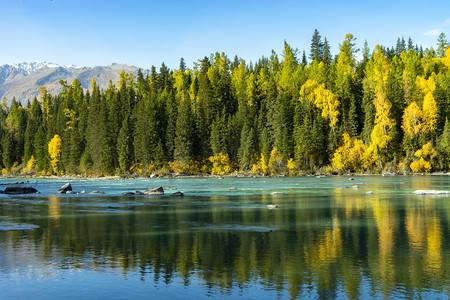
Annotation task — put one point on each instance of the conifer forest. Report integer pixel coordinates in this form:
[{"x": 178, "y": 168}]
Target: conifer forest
[{"x": 286, "y": 114}]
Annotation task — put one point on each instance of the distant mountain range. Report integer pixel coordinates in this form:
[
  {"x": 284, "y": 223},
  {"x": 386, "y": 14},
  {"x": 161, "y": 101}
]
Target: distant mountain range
[{"x": 23, "y": 80}]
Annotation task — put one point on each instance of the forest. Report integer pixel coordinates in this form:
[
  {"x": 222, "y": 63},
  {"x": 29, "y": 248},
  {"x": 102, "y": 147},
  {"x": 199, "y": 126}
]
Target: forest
[{"x": 360, "y": 111}]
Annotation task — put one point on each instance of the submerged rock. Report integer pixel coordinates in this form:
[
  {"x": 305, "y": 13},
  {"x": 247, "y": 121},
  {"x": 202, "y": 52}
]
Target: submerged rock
[
  {"x": 65, "y": 189},
  {"x": 177, "y": 194},
  {"x": 431, "y": 192},
  {"x": 277, "y": 193},
  {"x": 155, "y": 191},
  {"x": 17, "y": 189},
  {"x": 97, "y": 192}
]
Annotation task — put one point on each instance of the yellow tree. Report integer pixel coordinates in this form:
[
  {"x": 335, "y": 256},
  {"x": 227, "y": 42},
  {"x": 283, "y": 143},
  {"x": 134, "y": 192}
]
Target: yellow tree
[
  {"x": 322, "y": 98},
  {"x": 54, "y": 149},
  {"x": 261, "y": 166},
  {"x": 429, "y": 106},
  {"x": 411, "y": 120},
  {"x": 350, "y": 156},
  {"x": 276, "y": 162},
  {"x": 423, "y": 165},
  {"x": 380, "y": 136},
  {"x": 221, "y": 164}
]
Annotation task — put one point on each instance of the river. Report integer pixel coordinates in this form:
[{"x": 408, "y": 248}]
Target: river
[{"x": 254, "y": 238}]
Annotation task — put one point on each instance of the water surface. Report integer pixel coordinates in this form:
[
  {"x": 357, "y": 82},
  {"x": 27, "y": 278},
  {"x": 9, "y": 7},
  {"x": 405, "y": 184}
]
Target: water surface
[{"x": 332, "y": 237}]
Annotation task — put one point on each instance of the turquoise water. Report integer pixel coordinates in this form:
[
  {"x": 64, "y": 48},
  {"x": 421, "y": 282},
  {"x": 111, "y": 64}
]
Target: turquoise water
[{"x": 251, "y": 238}]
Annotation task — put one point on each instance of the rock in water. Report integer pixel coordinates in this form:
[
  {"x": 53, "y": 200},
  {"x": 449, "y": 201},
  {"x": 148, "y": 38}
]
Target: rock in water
[
  {"x": 155, "y": 191},
  {"x": 128, "y": 194},
  {"x": 97, "y": 192},
  {"x": 139, "y": 193},
  {"x": 65, "y": 188},
  {"x": 177, "y": 194},
  {"x": 16, "y": 188}
]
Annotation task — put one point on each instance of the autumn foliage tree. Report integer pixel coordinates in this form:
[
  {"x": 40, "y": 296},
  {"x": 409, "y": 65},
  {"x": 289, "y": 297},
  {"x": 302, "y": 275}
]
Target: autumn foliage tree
[{"x": 54, "y": 150}]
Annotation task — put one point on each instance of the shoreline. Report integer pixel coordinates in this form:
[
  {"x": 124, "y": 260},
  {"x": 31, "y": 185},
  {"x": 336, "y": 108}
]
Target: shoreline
[{"x": 173, "y": 176}]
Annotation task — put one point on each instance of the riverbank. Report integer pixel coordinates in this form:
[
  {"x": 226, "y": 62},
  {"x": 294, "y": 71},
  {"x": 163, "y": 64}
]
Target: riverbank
[{"x": 131, "y": 176}]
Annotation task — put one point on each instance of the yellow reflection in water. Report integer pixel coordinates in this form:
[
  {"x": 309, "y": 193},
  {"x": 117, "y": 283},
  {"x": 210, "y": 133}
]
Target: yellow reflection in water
[
  {"x": 328, "y": 248},
  {"x": 415, "y": 227},
  {"x": 54, "y": 209},
  {"x": 433, "y": 260},
  {"x": 425, "y": 235},
  {"x": 384, "y": 219}
]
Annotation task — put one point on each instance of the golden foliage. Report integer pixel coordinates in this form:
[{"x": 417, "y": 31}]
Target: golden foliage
[
  {"x": 383, "y": 107},
  {"x": 429, "y": 113},
  {"x": 426, "y": 150},
  {"x": 411, "y": 120},
  {"x": 276, "y": 162},
  {"x": 30, "y": 165},
  {"x": 54, "y": 149},
  {"x": 261, "y": 166},
  {"x": 351, "y": 155},
  {"x": 292, "y": 165},
  {"x": 420, "y": 165},
  {"x": 221, "y": 164},
  {"x": 322, "y": 98}
]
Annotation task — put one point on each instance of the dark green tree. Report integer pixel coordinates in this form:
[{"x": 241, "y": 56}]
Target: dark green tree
[{"x": 317, "y": 45}]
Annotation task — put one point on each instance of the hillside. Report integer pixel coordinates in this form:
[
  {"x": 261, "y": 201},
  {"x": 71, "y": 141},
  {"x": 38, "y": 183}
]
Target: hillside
[{"x": 23, "y": 80}]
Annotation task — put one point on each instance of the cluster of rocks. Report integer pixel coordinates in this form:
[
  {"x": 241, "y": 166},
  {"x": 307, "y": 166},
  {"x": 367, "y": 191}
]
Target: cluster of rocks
[
  {"x": 19, "y": 188},
  {"x": 158, "y": 191},
  {"x": 67, "y": 189}
]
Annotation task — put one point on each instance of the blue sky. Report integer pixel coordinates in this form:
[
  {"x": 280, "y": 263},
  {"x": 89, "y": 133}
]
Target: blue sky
[{"x": 146, "y": 33}]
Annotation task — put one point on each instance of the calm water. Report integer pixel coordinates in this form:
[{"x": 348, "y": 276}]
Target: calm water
[{"x": 327, "y": 239}]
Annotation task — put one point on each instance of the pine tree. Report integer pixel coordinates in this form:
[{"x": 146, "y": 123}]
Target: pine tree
[
  {"x": 184, "y": 133},
  {"x": 125, "y": 146},
  {"x": 443, "y": 146},
  {"x": 442, "y": 45},
  {"x": 247, "y": 149},
  {"x": 410, "y": 44},
  {"x": 316, "y": 51},
  {"x": 326, "y": 52},
  {"x": 304, "y": 61}
]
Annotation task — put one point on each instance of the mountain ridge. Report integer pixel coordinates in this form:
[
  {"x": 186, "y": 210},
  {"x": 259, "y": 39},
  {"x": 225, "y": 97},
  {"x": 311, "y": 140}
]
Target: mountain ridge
[{"x": 23, "y": 80}]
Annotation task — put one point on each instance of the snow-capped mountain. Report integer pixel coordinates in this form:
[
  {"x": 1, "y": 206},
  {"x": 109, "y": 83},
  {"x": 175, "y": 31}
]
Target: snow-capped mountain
[{"x": 23, "y": 80}]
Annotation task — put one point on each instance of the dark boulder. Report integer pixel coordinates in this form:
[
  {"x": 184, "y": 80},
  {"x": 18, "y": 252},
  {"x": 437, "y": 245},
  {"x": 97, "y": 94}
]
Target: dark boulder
[
  {"x": 139, "y": 193},
  {"x": 128, "y": 194},
  {"x": 177, "y": 194},
  {"x": 65, "y": 189},
  {"x": 155, "y": 191},
  {"x": 17, "y": 189}
]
